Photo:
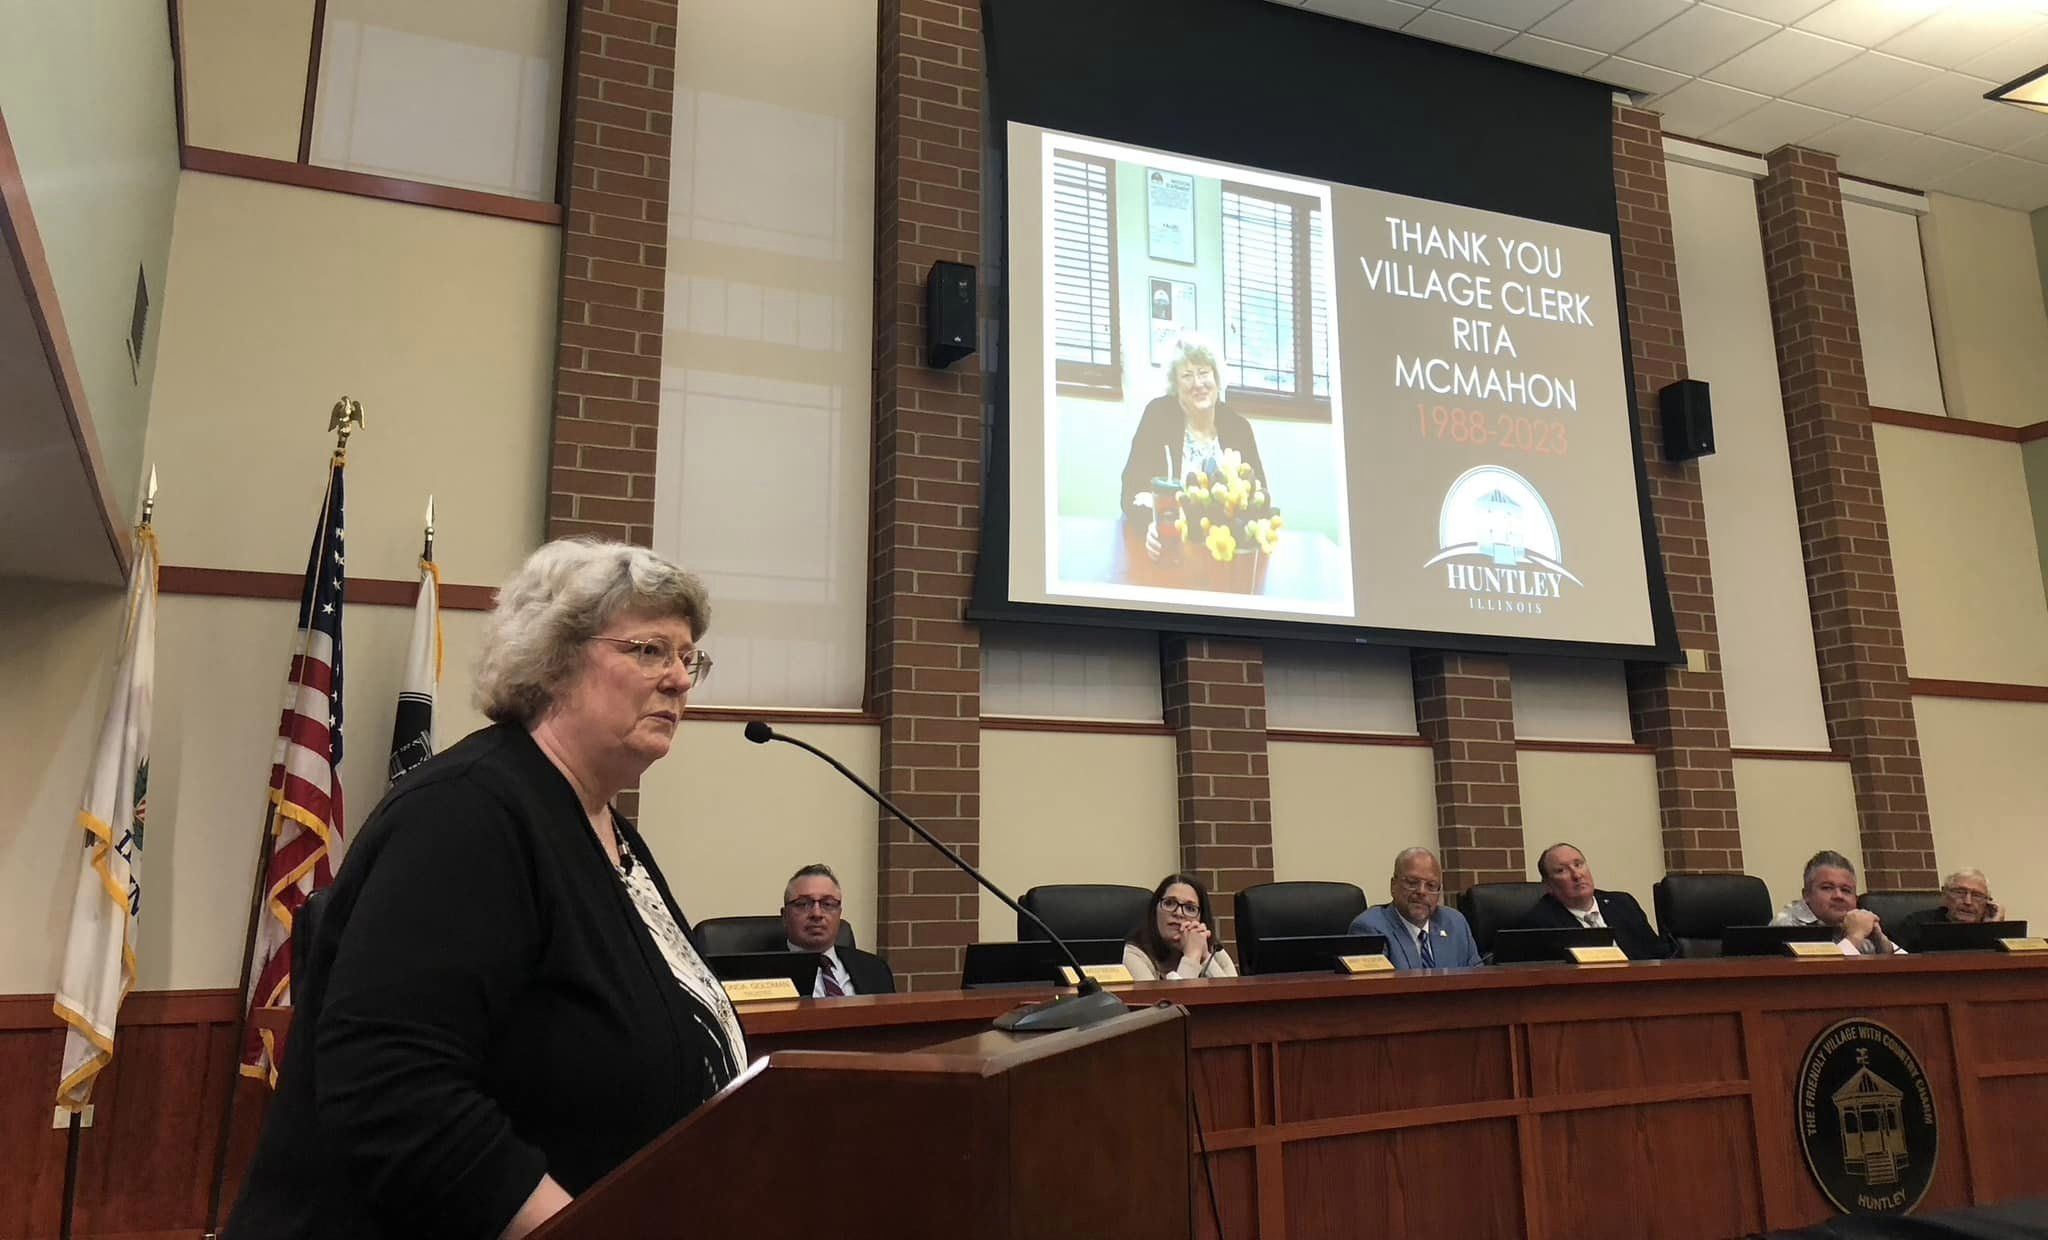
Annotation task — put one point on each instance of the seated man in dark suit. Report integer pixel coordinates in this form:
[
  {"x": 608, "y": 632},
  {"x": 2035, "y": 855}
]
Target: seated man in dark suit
[
  {"x": 1965, "y": 897},
  {"x": 811, "y": 912},
  {"x": 1570, "y": 900}
]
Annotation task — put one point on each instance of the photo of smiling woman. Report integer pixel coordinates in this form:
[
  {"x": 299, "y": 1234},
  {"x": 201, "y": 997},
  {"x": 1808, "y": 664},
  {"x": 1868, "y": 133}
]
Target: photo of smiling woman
[{"x": 1177, "y": 939}]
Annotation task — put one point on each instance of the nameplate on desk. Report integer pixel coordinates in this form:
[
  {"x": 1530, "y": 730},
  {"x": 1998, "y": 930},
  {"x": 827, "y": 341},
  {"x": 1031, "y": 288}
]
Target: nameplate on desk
[
  {"x": 1373, "y": 962},
  {"x": 755, "y": 989},
  {"x": 1103, "y": 974},
  {"x": 2023, "y": 945},
  {"x": 1815, "y": 951},
  {"x": 1605, "y": 953}
]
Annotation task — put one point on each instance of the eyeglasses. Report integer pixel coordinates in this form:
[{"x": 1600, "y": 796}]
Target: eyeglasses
[
  {"x": 1421, "y": 884},
  {"x": 1180, "y": 908},
  {"x": 1968, "y": 896},
  {"x": 804, "y": 904},
  {"x": 654, "y": 654}
]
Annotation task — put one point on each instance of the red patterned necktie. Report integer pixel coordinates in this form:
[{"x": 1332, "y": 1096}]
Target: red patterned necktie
[{"x": 827, "y": 975}]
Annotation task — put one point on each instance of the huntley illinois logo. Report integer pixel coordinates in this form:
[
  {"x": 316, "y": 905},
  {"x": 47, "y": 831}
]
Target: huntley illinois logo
[
  {"x": 1498, "y": 543},
  {"x": 1867, "y": 1123}
]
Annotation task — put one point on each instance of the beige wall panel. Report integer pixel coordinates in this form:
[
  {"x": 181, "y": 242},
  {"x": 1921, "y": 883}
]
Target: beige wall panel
[
  {"x": 245, "y": 74},
  {"x": 1766, "y": 628},
  {"x": 1963, "y": 551},
  {"x": 1984, "y": 286},
  {"x": 1341, "y": 812},
  {"x": 86, "y": 89},
  {"x": 1606, "y": 803},
  {"x": 1983, "y": 764},
  {"x": 1072, "y": 807},
  {"x": 2034, "y": 459},
  {"x": 730, "y": 821},
  {"x": 1891, "y": 308},
  {"x": 1570, "y": 699},
  {"x": 439, "y": 322},
  {"x": 1790, "y": 811},
  {"x": 221, "y": 665}
]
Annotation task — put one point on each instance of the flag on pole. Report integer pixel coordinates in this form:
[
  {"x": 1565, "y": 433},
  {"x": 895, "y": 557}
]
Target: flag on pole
[
  {"x": 99, "y": 952},
  {"x": 412, "y": 735},
  {"x": 305, "y": 819}
]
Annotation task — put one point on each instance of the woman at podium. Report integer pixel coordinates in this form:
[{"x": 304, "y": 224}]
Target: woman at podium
[
  {"x": 1177, "y": 939},
  {"x": 501, "y": 1003}
]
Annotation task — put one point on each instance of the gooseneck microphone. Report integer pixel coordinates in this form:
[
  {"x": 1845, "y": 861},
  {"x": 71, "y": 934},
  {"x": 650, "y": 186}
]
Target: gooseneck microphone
[{"x": 1091, "y": 1005}]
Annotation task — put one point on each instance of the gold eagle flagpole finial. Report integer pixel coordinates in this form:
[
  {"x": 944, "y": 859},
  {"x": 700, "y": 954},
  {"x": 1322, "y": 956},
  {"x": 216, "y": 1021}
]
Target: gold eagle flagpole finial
[{"x": 345, "y": 419}]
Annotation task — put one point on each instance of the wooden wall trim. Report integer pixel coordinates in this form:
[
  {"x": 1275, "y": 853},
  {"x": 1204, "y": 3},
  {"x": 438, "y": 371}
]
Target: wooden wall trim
[
  {"x": 312, "y": 81},
  {"x": 742, "y": 714},
  {"x": 1789, "y": 755},
  {"x": 1542, "y": 746},
  {"x": 1315, "y": 737},
  {"x": 143, "y": 1007},
  {"x": 364, "y": 185},
  {"x": 374, "y": 591},
  {"x": 1957, "y": 426},
  {"x": 1099, "y": 727},
  {"x": 1978, "y": 690},
  {"x": 24, "y": 245}
]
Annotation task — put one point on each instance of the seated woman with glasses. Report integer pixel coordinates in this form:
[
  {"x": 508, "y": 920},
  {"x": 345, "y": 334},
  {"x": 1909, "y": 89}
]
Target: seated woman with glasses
[
  {"x": 1178, "y": 940},
  {"x": 501, "y": 1002}
]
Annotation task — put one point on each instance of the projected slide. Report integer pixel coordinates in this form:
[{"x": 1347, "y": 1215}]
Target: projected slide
[{"x": 1235, "y": 392}]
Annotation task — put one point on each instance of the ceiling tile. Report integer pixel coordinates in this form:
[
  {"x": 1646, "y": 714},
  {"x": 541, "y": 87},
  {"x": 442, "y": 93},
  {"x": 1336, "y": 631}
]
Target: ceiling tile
[
  {"x": 1549, "y": 53},
  {"x": 1784, "y": 12},
  {"x": 1636, "y": 76},
  {"x": 1999, "y": 126},
  {"x": 1458, "y": 31},
  {"x": 1863, "y": 81},
  {"x": 1933, "y": 103},
  {"x": 1699, "y": 107},
  {"x": 1391, "y": 14},
  {"x": 1698, "y": 39},
  {"x": 1608, "y": 25},
  {"x": 2032, "y": 148},
  {"x": 1777, "y": 123},
  {"x": 1514, "y": 14},
  {"x": 1961, "y": 32},
  {"x": 1783, "y": 61},
  {"x": 1860, "y": 145},
  {"x": 2018, "y": 183},
  {"x": 1867, "y": 23},
  {"x": 1923, "y": 159},
  {"x": 2013, "y": 58}
]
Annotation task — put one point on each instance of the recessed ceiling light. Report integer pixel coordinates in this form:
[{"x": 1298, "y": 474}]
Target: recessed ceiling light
[{"x": 2030, "y": 91}]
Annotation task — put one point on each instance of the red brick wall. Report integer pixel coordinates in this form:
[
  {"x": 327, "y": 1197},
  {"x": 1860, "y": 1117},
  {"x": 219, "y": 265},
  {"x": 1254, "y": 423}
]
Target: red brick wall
[
  {"x": 1840, "y": 497},
  {"x": 615, "y": 260},
  {"x": 1465, "y": 708},
  {"x": 1682, "y": 714},
  {"x": 924, "y": 666},
  {"x": 1215, "y": 702}
]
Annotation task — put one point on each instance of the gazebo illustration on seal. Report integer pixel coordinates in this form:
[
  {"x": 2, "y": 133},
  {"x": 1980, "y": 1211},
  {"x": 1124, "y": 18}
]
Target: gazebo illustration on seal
[
  {"x": 1500, "y": 531},
  {"x": 1867, "y": 1114}
]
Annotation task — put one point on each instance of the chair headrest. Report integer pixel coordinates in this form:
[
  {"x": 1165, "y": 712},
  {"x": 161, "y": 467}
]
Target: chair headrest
[
  {"x": 1703, "y": 906},
  {"x": 1284, "y": 910},
  {"x": 738, "y": 936},
  {"x": 1084, "y": 910}
]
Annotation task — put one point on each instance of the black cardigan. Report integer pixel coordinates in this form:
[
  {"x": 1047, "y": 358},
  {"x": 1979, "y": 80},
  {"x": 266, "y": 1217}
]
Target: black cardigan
[
  {"x": 1163, "y": 427},
  {"x": 486, "y": 1006}
]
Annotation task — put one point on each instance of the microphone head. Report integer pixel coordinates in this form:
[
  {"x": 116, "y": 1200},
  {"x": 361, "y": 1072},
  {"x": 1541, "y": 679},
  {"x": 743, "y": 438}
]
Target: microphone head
[{"x": 759, "y": 732}]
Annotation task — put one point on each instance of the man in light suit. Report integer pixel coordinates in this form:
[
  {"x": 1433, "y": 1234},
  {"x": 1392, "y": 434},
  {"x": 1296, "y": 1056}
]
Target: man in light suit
[
  {"x": 811, "y": 912},
  {"x": 1421, "y": 933},
  {"x": 1570, "y": 900}
]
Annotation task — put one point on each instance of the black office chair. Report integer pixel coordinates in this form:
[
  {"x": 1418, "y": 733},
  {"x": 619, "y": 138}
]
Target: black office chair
[
  {"x": 1893, "y": 907},
  {"x": 1491, "y": 907},
  {"x": 1697, "y": 909},
  {"x": 1288, "y": 910},
  {"x": 738, "y": 936},
  {"x": 1084, "y": 910}
]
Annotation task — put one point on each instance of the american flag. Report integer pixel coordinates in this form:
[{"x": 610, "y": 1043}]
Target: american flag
[{"x": 305, "y": 818}]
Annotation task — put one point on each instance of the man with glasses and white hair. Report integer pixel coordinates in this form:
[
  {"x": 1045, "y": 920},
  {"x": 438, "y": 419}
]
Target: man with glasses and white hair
[
  {"x": 1828, "y": 898},
  {"x": 811, "y": 912},
  {"x": 1420, "y": 932},
  {"x": 1965, "y": 898}
]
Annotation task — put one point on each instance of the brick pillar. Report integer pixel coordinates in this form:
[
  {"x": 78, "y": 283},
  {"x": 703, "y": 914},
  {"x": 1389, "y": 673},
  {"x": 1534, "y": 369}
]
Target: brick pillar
[
  {"x": 1842, "y": 530},
  {"x": 1215, "y": 701},
  {"x": 1680, "y": 713},
  {"x": 1465, "y": 708},
  {"x": 614, "y": 264},
  {"x": 924, "y": 666}
]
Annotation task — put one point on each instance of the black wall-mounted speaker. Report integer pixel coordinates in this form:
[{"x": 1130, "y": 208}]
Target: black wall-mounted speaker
[
  {"x": 1688, "y": 420},
  {"x": 948, "y": 313}
]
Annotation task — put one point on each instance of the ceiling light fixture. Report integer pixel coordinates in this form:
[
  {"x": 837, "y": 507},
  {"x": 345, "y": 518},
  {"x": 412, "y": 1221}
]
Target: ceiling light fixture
[{"x": 2030, "y": 91}]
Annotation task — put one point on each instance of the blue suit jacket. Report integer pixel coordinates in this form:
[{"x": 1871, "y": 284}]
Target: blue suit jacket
[{"x": 1450, "y": 937}]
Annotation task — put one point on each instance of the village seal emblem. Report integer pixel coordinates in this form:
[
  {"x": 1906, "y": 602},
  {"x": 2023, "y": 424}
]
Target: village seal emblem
[{"x": 1867, "y": 1122}]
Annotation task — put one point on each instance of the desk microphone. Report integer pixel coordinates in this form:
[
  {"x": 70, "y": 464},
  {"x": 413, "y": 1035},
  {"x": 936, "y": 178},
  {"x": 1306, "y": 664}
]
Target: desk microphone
[{"x": 1091, "y": 1005}]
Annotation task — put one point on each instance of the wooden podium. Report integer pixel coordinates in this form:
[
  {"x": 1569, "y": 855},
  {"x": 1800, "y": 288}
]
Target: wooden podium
[{"x": 1077, "y": 1133}]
